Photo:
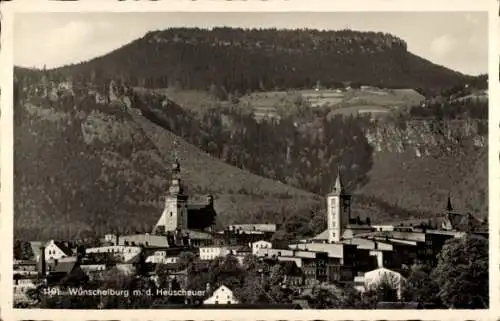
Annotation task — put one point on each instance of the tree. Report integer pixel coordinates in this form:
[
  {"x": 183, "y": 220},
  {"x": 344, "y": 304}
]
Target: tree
[
  {"x": 186, "y": 259},
  {"x": 353, "y": 299},
  {"x": 420, "y": 287},
  {"x": 386, "y": 290},
  {"x": 325, "y": 299},
  {"x": 226, "y": 271},
  {"x": 252, "y": 291},
  {"x": 462, "y": 273}
]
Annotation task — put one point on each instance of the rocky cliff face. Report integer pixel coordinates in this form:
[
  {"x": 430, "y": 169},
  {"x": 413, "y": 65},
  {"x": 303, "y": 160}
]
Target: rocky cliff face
[
  {"x": 423, "y": 136},
  {"x": 428, "y": 161}
]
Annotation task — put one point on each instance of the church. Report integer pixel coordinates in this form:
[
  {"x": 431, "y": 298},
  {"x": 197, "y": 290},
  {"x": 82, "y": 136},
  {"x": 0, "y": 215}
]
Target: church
[
  {"x": 179, "y": 214},
  {"x": 340, "y": 225}
]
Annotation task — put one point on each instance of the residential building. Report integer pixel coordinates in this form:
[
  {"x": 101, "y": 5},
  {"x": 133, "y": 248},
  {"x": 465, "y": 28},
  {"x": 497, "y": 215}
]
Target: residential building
[
  {"x": 223, "y": 295},
  {"x": 94, "y": 271},
  {"x": 213, "y": 252},
  {"x": 120, "y": 252},
  {"x": 265, "y": 228},
  {"x": 240, "y": 237},
  {"x": 341, "y": 258},
  {"x": 313, "y": 264},
  {"x": 260, "y": 245},
  {"x": 161, "y": 257},
  {"x": 22, "y": 285},
  {"x": 56, "y": 250},
  {"x": 294, "y": 276},
  {"x": 25, "y": 268}
]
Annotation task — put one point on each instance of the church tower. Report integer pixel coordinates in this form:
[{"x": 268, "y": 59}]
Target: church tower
[
  {"x": 338, "y": 211},
  {"x": 446, "y": 222},
  {"x": 175, "y": 213}
]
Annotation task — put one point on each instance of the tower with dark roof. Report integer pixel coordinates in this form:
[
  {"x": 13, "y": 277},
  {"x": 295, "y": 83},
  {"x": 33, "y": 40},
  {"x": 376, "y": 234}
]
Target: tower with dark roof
[
  {"x": 338, "y": 210},
  {"x": 175, "y": 212}
]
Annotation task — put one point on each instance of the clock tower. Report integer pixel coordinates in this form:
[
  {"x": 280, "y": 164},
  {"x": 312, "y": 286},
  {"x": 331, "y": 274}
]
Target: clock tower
[{"x": 338, "y": 211}]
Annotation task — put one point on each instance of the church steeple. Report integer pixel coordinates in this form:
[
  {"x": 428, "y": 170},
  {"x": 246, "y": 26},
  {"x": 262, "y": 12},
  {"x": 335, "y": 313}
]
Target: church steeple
[
  {"x": 449, "y": 208},
  {"x": 175, "y": 212},
  {"x": 338, "y": 188},
  {"x": 338, "y": 210},
  {"x": 176, "y": 187}
]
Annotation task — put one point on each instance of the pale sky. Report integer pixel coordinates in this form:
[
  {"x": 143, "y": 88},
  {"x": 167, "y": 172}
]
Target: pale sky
[{"x": 457, "y": 40}]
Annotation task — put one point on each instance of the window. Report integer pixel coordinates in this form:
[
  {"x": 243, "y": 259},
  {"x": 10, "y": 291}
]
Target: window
[{"x": 171, "y": 214}]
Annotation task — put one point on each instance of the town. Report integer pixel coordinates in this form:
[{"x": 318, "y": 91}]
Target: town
[{"x": 184, "y": 250}]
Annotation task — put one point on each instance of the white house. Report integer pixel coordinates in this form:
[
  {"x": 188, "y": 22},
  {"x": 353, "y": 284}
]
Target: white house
[
  {"x": 270, "y": 228},
  {"x": 376, "y": 277},
  {"x": 93, "y": 267},
  {"x": 55, "y": 250},
  {"x": 21, "y": 288},
  {"x": 121, "y": 252},
  {"x": 223, "y": 295},
  {"x": 260, "y": 245},
  {"x": 212, "y": 252},
  {"x": 160, "y": 257}
]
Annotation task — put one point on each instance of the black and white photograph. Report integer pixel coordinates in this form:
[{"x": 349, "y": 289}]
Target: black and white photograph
[{"x": 250, "y": 160}]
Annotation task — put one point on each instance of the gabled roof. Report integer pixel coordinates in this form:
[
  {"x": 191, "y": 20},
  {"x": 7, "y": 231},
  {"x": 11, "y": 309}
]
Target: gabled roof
[
  {"x": 36, "y": 248},
  {"x": 291, "y": 268},
  {"x": 199, "y": 235},
  {"x": 322, "y": 236},
  {"x": 223, "y": 288},
  {"x": 65, "y": 248},
  {"x": 133, "y": 260},
  {"x": 62, "y": 267}
]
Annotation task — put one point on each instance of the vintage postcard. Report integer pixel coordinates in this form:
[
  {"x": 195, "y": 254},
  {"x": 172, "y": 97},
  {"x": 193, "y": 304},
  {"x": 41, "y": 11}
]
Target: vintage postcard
[{"x": 174, "y": 161}]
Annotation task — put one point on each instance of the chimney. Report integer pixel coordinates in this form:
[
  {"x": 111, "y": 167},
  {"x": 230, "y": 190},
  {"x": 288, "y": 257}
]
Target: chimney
[{"x": 41, "y": 262}]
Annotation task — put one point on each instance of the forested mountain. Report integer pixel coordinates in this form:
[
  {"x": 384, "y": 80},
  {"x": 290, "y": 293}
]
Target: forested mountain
[
  {"x": 93, "y": 152},
  {"x": 84, "y": 168},
  {"x": 239, "y": 60}
]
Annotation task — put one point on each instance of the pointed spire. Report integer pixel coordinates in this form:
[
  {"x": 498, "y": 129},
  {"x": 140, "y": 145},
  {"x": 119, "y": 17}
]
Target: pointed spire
[
  {"x": 449, "y": 208},
  {"x": 176, "y": 167},
  {"x": 176, "y": 154},
  {"x": 338, "y": 188},
  {"x": 338, "y": 182},
  {"x": 176, "y": 184}
]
